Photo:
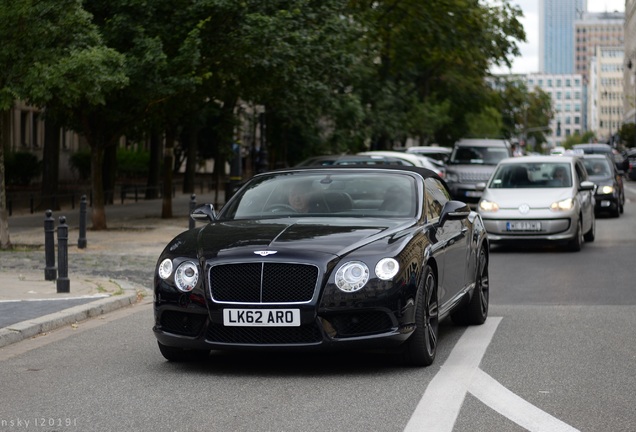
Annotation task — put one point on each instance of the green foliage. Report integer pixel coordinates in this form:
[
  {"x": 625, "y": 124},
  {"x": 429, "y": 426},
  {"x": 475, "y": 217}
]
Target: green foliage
[
  {"x": 578, "y": 138},
  {"x": 80, "y": 163},
  {"x": 21, "y": 168},
  {"x": 487, "y": 123},
  {"x": 627, "y": 134},
  {"x": 132, "y": 163}
]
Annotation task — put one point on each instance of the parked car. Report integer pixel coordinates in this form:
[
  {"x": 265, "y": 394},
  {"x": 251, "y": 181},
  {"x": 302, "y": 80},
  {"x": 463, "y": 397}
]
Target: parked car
[
  {"x": 416, "y": 160},
  {"x": 539, "y": 198},
  {"x": 322, "y": 258},
  {"x": 436, "y": 152},
  {"x": 471, "y": 162},
  {"x": 328, "y": 160},
  {"x": 610, "y": 194}
]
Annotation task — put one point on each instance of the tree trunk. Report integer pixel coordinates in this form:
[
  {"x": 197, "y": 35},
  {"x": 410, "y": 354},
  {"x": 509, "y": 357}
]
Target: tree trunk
[
  {"x": 189, "y": 142},
  {"x": 154, "y": 171},
  {"x": 168, "y": 162},
  {"x": 5, "y": 242},
  {"x": 110, "y": 173},
  {"x": 98, "y": 215},
  {"x": 50, "y": 166}
]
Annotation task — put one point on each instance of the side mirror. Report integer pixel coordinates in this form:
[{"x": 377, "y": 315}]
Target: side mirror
[
  {"x": 481, "y": 186},
  {"x": 454, "y": 210},
  {"x": 204, "y": 213},
  {"x": 587, "y": 186}
]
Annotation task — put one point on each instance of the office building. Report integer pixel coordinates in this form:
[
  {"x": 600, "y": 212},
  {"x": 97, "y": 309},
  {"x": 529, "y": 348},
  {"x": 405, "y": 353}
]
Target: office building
[{"x": 556, "y": 34}]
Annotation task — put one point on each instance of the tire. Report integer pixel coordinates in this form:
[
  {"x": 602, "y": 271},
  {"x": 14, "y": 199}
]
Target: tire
[
  {"x": 421, "y": 347},
  {"x": 591, "y": 234},
  {"x": 475, "y": 311},
  {"x": 575, "y": 244},
  {"x": 174, "y": 354}
]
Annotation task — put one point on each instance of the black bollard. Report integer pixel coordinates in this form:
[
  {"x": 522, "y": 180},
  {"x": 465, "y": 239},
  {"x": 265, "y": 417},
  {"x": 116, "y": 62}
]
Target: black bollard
[
  {"x": 63, "y": 283},
  {"x": 193, "y": 204},
  {"x": 50, "y": 272},
  {"x": 81, "y": 241}
]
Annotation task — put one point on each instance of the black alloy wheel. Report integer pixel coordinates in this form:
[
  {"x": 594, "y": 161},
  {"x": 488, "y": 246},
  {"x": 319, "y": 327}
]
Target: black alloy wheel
[{"x": 421, "y": 347}]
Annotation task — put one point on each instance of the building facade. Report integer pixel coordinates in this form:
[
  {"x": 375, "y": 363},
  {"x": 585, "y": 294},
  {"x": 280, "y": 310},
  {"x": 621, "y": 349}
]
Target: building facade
[
  {"x": 556, "y": 34},
  {"x": 606, "y": 92},
  {"x": 592, "y": 30},
  {"x": 566, "y": 92},
  {"x": 629, "y": 73}
]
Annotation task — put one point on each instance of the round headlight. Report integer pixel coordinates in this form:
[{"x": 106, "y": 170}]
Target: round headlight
[
  {"x": 386, "y": 268},
  {"x": 352, "y": 276},
  {"x": 165, "y": 268},
  {"x": 186, "y": 276}
]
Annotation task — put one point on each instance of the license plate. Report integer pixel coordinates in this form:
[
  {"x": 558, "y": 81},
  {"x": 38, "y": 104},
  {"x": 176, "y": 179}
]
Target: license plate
[
  {"x": 261, "y": 317},
  {"x": 473, "y": 194},
  {"x": 523, "y": 226}
]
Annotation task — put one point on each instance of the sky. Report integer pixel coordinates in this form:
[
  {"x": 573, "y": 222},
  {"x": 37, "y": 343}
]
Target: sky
[{"x": 528, "y": 62}]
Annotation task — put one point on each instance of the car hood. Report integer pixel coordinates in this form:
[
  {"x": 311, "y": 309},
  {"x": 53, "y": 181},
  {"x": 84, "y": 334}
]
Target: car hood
[
  {"x": 292, "y": 238},
  {"x": 534, "y": 198},
  {"x": 602, "y": 180}
]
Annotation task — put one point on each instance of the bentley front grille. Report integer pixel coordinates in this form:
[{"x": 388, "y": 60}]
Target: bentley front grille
[{"x": 263, "y": 282}]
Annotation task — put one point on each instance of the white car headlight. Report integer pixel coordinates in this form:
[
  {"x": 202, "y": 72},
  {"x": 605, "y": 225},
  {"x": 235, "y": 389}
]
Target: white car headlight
[
  {"x": 186, "y": 276},
  {"x": 386, "y": 268},
  {"x": 607, "y": 190},
  {"x": 488, "y": 206},
  {"x": 352, "y": 276},
  {"x": 566, "y": 204},
  {"x": 165, "y": 268}
]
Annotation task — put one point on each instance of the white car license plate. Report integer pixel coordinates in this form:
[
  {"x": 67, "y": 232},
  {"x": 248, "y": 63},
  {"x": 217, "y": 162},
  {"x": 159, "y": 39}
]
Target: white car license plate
[
  {"x": 261, "y": 317},
  {"x": 523, "y": 226}
]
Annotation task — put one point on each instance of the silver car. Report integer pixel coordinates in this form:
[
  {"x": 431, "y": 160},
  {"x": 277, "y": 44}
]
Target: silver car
[{"x": 539, "y": 198}]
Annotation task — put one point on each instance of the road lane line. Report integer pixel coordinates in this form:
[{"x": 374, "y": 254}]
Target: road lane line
[
  {"x": 444, "y": 396},
  {"x": 460, "y": 374},
  {"x": 492, "y": 393}
]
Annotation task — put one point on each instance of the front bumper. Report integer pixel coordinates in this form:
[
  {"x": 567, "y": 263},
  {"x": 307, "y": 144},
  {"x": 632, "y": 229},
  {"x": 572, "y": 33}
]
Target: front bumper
[{"x": 501, "y": 229}]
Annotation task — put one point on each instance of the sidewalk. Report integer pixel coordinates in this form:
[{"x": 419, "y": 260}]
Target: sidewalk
[{"x": 115, "y": 269}]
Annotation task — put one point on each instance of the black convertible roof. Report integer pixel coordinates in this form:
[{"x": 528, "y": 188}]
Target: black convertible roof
[{"x": 424, "y": 172}]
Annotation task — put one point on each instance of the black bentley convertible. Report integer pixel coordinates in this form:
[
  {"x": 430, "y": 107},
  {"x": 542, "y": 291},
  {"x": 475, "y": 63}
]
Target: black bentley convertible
[{"x": 324, "y": 258}]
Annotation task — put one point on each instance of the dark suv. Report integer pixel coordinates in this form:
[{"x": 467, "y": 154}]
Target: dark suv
[{"x": 473, "y": 161}]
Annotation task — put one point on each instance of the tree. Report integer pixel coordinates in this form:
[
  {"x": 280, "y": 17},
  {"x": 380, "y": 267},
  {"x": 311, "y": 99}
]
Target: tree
[{"x": 35, "y": 35}]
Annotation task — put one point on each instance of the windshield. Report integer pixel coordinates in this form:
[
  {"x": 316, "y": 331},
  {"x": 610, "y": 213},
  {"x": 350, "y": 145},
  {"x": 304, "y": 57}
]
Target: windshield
[
  {"x": 478, "y": 155},
  {"x": 597, "y": 167},
  {"x": 325, "y": 194},
  {"x": 532, "y": 175}
]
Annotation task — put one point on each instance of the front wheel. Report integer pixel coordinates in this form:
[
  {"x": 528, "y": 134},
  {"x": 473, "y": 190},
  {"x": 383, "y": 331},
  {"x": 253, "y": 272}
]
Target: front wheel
[
  {"x": 591, "y": 234},
  {"x": 421, "y": 346},
  {"x": 577, "y": 241}
]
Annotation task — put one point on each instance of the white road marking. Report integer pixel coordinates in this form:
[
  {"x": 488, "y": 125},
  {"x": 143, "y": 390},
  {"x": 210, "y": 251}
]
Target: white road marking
[
  {"x": 505, "y": 402},
  {"x": 439, "y": 407}
]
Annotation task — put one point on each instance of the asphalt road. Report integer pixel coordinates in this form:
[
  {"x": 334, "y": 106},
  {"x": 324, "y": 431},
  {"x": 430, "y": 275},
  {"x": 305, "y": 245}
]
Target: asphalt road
[{"x": 556, "y": 354}]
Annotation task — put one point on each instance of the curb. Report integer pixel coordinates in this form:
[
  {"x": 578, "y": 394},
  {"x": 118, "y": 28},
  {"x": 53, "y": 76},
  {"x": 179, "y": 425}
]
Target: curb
[{"x": 30, "y": 328}]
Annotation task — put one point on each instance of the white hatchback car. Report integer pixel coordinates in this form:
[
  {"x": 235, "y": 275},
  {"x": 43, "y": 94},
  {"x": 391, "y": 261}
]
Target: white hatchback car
[{"x": 539, "y": 198}]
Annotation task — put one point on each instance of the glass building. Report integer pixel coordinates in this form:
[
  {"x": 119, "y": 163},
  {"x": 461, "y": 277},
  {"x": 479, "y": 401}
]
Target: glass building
[{"x": 556, "y": 34}]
